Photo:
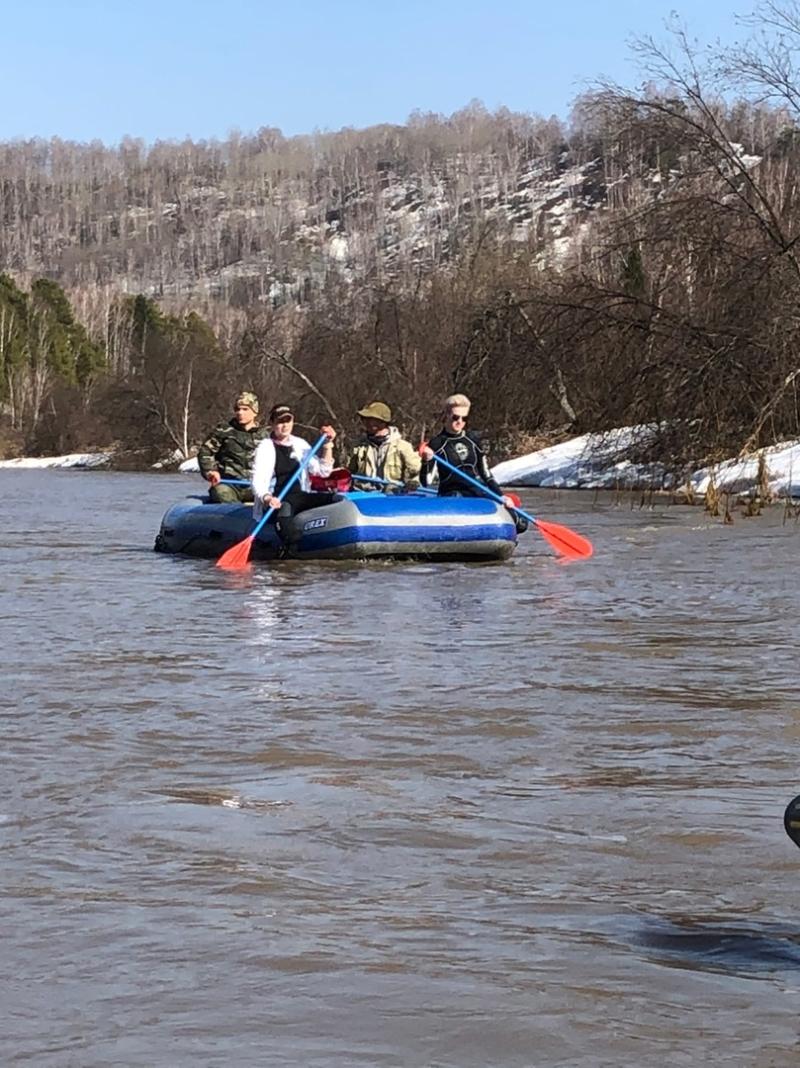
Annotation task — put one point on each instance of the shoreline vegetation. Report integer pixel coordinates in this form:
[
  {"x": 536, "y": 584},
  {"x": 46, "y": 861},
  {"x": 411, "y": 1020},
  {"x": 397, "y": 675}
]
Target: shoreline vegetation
[{"x": 635, "y": 267}]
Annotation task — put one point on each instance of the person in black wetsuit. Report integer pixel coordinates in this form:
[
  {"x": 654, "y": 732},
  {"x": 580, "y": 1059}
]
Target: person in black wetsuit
[
  {"x": 278, "y": 458},
  {"x": 463, "y": 449}
]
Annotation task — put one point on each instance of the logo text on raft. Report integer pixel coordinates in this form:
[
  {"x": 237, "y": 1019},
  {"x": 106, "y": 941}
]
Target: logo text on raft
[{"x": 315, "y": 524}]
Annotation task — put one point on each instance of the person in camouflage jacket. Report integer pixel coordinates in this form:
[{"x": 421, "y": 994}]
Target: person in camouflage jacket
[{"x": 228, "y": 452}]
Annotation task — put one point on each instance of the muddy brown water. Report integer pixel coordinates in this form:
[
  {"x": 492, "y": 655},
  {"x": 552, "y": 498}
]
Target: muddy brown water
[{"x": 396, "y": 815}]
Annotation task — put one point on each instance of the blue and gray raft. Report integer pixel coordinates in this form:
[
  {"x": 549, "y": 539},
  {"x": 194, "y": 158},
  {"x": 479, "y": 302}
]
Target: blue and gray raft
[{"x": 361, "y": 526}]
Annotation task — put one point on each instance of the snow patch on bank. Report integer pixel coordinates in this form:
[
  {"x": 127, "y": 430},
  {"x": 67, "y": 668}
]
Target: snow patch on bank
[
  {"x": 72, "y": 459},
  {"x": 740, "y": 474},
  {"x": 595, "y": 461},
  {"x": 591, "y": 461}
]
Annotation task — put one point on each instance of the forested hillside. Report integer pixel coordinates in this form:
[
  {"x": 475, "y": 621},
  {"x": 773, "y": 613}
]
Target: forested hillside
[
  {"x": 268, "y": 218},
  {"x": 638, "y": 265}
]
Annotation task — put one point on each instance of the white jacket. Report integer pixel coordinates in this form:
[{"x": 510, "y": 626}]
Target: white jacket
[{"x": 263, "y": 480}]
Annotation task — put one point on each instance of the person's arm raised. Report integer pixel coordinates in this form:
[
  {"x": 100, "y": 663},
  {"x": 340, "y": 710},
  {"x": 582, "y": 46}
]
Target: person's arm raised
[{"x": 325, "y": 461}]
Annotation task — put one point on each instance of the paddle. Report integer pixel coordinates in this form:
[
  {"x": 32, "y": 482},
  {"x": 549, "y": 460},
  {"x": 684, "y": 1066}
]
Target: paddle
[
  {"x": 391, "y": 482},
  {"x": 378, "y": 481},
  {"x": 237, "y": 557},
  {"x": 567, "y": 542},
  {"x": 791, "y": 820}
]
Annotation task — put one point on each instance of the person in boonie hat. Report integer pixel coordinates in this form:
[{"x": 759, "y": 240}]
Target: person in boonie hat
[
  {"x": 226, "y": 455},
  {"x": 384, "y": 459},
  {"x": 377, "y": 412}
]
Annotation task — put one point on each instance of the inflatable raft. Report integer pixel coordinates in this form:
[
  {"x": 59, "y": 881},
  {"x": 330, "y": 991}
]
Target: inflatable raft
[{"x": 361, "y": 526}]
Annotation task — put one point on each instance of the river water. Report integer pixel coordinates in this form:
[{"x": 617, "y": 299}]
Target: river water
[{"x": 519, "y": 814}]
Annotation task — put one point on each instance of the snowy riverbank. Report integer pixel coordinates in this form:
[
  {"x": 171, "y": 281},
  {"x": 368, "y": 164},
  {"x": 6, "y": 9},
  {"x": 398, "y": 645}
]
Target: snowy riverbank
[{"x": 593, "y": 461}]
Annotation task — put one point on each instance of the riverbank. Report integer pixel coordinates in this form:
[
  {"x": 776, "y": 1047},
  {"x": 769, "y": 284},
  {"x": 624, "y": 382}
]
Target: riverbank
[{"x": 591, "y": 461}]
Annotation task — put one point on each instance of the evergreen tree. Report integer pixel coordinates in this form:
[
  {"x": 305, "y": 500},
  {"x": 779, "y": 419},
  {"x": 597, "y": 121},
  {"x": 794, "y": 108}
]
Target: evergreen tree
[
  {"x": 14, "y": 312},
  {"x": 68, "y": 350},
  {"x": 633, "y": 278}
]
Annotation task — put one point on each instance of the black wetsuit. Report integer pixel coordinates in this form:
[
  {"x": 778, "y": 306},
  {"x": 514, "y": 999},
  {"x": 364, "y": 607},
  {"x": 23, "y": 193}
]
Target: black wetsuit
[{"x": 464, "y": 451}]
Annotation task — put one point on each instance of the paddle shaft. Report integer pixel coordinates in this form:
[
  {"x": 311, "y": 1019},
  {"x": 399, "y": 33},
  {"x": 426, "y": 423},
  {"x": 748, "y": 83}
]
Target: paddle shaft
[
  {"x": 237, "y": 557},
  {"x": 298, "y": 473},
  {"x": 378, "y": 481},
  {"x": 481, "y": 486},
  {"x": 567, "y": 543},
  {"x": 390, "y": 482}
]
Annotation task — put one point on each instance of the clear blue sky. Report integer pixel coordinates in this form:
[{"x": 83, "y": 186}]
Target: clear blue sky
[{"x": 85, "y": 69}]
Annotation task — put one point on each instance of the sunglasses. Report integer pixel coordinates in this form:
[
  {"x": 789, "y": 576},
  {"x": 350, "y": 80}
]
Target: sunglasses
[
  {"x": 457, "y": 418},
  {"x": 285, "y": 419}
]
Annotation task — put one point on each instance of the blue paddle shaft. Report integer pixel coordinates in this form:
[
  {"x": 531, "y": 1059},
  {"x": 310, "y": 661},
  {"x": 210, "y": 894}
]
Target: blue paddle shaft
[
  {"x": 389, "y": 482},
  {"x": 377, "y": 481},
  {"x": 306, "y": 461},
  {"x": 479, "y": 485}
]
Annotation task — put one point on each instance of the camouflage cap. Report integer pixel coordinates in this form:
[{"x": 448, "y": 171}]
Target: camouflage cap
[{"x": 250, "y": 399}]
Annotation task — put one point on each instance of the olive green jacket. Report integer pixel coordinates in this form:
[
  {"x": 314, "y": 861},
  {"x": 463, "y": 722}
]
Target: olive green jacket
[{"x": 395, "y": 459}]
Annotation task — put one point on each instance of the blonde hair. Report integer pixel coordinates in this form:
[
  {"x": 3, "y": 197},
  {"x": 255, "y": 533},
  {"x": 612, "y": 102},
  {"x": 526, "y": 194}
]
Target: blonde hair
[{"x": 456, "y": 400}]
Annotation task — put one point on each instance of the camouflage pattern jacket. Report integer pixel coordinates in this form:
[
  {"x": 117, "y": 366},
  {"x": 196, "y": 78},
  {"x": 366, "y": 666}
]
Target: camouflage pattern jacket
[{"x": 230, "y": 450}]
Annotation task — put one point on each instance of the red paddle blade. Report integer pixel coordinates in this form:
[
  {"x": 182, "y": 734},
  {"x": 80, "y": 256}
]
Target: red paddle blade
[
  {"x": 237, "y": 558},
  {"x": 566, "y": 542}
]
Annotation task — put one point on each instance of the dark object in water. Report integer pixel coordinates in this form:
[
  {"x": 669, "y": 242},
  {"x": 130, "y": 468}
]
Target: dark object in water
[
  {"x": 791, "y": 820},
  {"x": 743, "y": 949}
]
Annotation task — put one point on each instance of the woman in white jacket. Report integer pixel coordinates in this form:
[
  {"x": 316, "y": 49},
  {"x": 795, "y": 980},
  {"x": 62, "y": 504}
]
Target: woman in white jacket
[{"x": 276, "y": 460}]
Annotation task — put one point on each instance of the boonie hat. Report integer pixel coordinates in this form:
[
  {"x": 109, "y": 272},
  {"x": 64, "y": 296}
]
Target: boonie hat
[
  {"x": 278, "y": 411},
  {"x": 250, "y": 399},
  {"x": 377, "y": 410}
]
